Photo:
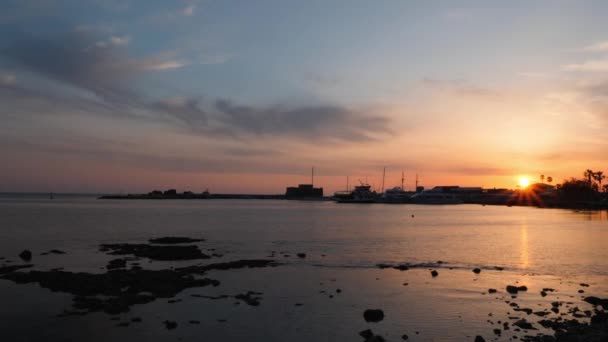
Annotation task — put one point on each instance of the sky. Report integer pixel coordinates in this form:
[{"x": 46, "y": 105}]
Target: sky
[{"x": 246, "y": 96}]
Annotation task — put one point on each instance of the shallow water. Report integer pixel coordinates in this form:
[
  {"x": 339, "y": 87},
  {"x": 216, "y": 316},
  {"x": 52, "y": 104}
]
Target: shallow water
[{"x": 537, "y": 247}]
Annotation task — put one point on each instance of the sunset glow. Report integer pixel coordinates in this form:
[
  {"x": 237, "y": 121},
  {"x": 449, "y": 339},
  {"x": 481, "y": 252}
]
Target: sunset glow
[
  {"x": 524, "y": 182},
  {"x": 212, "y": 95}
]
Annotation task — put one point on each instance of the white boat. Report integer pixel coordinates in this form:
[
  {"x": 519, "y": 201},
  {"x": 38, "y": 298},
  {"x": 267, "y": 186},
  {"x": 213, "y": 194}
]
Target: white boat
[
  {"x": 396, "y": 195},
  {"x": 361, "y": 194}
]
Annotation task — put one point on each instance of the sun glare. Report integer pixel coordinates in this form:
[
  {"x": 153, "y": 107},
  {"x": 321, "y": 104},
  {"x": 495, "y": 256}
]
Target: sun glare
[{"x": 524, "y": 182}]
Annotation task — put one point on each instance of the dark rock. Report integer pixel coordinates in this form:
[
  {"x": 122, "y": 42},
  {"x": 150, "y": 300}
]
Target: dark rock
[
  {"x": 522, "y": 288},
  {"x": 401, "y": 267},
  {"x": 491, "y": 290},
  {"x": 404, "y": 337},
  {"x": 581, "y": 291},
  {"x": 116, "y": 263},
  {"x": 541, "y": 313},
  {"x": 174, "y": 240},
  {"x": 13, "y": 268},
  {"x": 301, "y": 255},
  {"x": 584, "y": 285},
  {"x": 26, "y": 255},
  {"x": 479, "y": 339},
  {"x": 595, "y": 301},
  {"x": 512, "y": 289},
  {"x": 194, "y": 322},
  {"x": 434, "y": 273},
  {"x": 497, "y": 331},
  {"x": 522, "y": 323},
  {"x": 543, "y": 293},
  {"x": 366, "y": 334},
  {"x": 528, "y": 311},
  {"x": 499, "y": 268},
  {"x": 253, "y": 263},
  {"x": 115, "y": 291},
  {"x": 170, "y": 325},
  {"x": 373, "y": 315},
  {"x": 250, "y": 298},
  {"x": 476, "y": 270},
  {"x": 166, "y": 253},
  {"x": 548, "y": 289}
]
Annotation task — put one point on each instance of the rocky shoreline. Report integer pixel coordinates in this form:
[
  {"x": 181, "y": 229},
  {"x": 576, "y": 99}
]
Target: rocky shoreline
[{"x": 125, "y": 283}]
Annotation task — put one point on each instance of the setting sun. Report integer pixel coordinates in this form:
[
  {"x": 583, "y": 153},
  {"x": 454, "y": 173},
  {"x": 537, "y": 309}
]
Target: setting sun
[{"x": 524, "y": 182}]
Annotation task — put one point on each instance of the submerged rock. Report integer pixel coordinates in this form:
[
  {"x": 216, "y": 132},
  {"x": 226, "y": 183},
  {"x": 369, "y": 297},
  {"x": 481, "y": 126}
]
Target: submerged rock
[
  {"x": 116, "y": 263},
  {"x": 250, "y": 298},
  {"x": 595, "y": 301},
  {"x": 13, "y": 268},
  {"x": 119, "y": 289},
  {"x": 26, "y": 255},
  {"x": 166, "y": 253},
  {"x": 369, "y": 336},
  {"x": 522, "y": 323},
  {"x": 434, "y": 273},
  {"x": 479, "y": 339},
  {"x": 476, "y": 270},
  {"x": 170, "y": 325},
  {"x": 373, "y": 315},
  {"x": 491, "y": 290},
  {"x": 301, "y": 255}
]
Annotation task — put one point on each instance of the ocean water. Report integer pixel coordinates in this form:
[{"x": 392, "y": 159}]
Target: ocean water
[{"x": 343, "y": 242}]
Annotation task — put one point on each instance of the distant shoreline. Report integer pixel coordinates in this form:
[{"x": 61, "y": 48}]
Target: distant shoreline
[{"x": 581, "y": 205}]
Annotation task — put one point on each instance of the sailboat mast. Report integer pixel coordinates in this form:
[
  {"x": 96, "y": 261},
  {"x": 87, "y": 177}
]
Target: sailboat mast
[
  {"x": 312, "y": 177},
  {"x": 416, "y": 182},
  {"x": 347, "y": 185},
  {"x": 383, "y": 175},
  {"x": 402, "y": 180}
]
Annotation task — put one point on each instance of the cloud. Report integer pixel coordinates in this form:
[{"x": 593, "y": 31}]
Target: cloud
[
  {"x": 113, "y": 41},
  {"x": 7, "y": 79},
  {"x": 599, "y": 46},
  {"x": 311, "y": 122},
  {"x": 459, "y": 86},
  {"x": 188, "y": 11},
  {"x": 110, "y": 74},
  {"x": 69, "y": 58},
  {"x": 598, "y": 65},
  {"x": 161, "y": 65}
]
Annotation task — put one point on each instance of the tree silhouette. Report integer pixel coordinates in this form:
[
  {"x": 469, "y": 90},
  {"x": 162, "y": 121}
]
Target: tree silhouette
[
  {"x": 589, "y": 174},
  {"x": 542, "y": 179},
  {"x": 599, "y": 177},
  {"x": 549, "y": 179}
]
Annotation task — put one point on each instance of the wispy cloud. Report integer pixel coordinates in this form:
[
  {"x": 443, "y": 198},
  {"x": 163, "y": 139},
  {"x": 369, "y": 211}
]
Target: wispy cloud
[
  {"x": 459, "y": 86},
  {"x": 68, "y": 58},
  {"x": 189, "y": 10},
  {"x": 7, "y": 79},
  {"x": 163, "y": 65},
  {"x": 599, "y": 46},
  {"x": 598, "y": 65},
  {"x": 113, "y": 41}
]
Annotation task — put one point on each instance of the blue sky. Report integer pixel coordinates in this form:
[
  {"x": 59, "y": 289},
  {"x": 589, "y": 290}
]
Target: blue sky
[{"x": 241, "y": 89}]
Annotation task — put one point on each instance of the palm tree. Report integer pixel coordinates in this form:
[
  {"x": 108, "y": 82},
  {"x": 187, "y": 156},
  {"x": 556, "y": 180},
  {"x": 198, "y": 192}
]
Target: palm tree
[
  {"x": 542, "y": 178},
  {"x": 599, "y": 176},
  {"x": 549, "y": 179},
  {"x": 589, "y": 174}
]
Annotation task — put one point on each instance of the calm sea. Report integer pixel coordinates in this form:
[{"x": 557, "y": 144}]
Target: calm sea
[{"x": 343, "y": 243}]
